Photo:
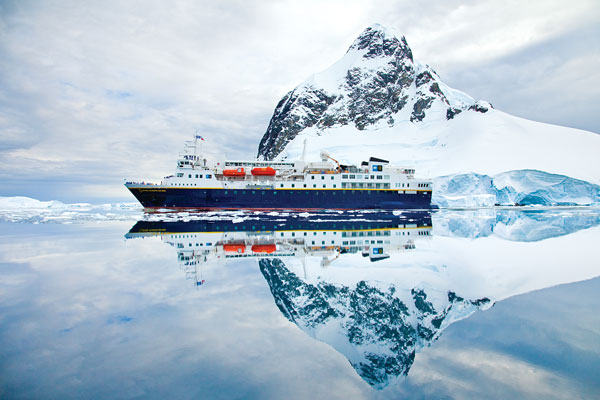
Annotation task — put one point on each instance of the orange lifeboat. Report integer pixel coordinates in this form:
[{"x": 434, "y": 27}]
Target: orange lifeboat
[
  {"x": 234, "y": 172},
  {"x": 264, "y": 248},
  {"x": 234, "y": 248},
  {"x": 263, "y": 171}
]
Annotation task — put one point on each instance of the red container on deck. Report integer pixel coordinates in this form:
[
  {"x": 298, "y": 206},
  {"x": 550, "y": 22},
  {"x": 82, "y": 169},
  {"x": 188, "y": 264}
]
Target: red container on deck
[
  {"x": 234, "y": 172},
  {"x": 264, "y": 248},
  {"x": 263, "y": 171},
  {"x": 234, "y": 248}
]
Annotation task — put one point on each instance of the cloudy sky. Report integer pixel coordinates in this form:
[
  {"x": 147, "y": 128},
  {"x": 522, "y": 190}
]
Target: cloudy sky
[{"x": 95, "y": 92}]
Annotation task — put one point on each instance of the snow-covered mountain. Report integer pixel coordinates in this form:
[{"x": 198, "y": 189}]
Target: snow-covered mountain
[
  {"x": 379, "y": 327},
  {"x": 377, "y": 100}
]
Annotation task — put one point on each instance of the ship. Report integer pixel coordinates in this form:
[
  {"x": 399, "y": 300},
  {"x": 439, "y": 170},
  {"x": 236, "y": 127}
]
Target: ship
[
  {"x": 277, "y": 185},
  {"x": 218, "y": 238}
]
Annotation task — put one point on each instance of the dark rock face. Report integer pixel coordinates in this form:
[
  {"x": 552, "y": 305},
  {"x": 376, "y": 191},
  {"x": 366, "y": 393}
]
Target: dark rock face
[
  {"x": 294, "y": 113},
  {"x": 382, "y": 80},
  {"x": 384, "y": 331}
]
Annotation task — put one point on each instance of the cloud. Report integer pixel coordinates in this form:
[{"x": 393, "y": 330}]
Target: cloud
[{"x": 110, "y": 90}]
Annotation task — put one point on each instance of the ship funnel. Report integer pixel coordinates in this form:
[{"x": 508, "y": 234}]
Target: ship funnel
[{"x": 304, "y": 151}]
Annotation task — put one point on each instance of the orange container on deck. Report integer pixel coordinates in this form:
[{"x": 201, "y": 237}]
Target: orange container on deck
[
  {"x": 234, "y": 248},
  {"x": 264, "y": 248},
  {"x": 263, "y": 171},
  {"x": 234, "y": 172}
]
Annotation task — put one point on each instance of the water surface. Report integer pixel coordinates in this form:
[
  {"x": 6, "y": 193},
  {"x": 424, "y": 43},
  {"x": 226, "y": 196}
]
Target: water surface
[{"x": 454, "y": 304}]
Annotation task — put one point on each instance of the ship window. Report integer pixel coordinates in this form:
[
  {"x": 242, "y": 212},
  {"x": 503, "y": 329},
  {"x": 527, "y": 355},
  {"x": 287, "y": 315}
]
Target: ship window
[
  {"x": 386, "y": 185},
  {"x": 334, "y": 185},
  {"x": 386, "y": 177},
  {"x": 332, "y": 178},
  {"x": 372, "y": 176},
  {"x": 225, "y": 192},
  {"x": 263, "y": 192},
  {"x": 352, "y": 176},
  {"x": 281, "y": 185},
  {"x": 378, "y": 185},
  {"x": 305, "y": 185},
  {"x": 344, "y": 176},
  {"x": 360, "y": 185},
  {"x": 324, "y": 185},
  {"x": 293, "y": 233},
  {"x": 358, "y": 176},
  {"x": 235, "y": 192},
  {"x": 322, "y": 177},
  {"x": 253, "y": 192},
  {"x": 208, "y": 176},
  {"x": 379, "y": 177},
  {"x": 408, "y": 185},
  {"x": 179, "y": 175},
  {"x": 315, "y": 186},
  {"x": 189, "y": 175},
  {"x": 196, "y": 175},
  {"x": 314, "y": 234},
  {"x": 312, "y": 177},
  {"x": 293, "y": 185},
  {"x": 274, "y": 192}
]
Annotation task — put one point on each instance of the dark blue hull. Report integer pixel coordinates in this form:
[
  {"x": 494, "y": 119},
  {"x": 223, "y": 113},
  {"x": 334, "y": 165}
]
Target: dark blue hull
[
  {"x": 265, "y": 222},
  {"x": 301, "y": 199}
]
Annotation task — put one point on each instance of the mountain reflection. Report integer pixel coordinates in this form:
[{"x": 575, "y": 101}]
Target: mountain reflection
[{"x": 370, "y": 284}]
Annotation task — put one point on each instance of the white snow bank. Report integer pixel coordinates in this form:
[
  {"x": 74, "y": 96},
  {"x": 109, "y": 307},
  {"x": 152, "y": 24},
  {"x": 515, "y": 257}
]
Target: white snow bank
[{"x": 25, "y": 209}]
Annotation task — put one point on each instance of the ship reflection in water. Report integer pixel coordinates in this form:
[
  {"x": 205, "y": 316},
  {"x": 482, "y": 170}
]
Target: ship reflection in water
[{"x": 376, "y": 286}]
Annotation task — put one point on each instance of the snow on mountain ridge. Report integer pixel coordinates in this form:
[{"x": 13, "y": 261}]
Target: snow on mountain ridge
[{"x": 376, "y": 80}]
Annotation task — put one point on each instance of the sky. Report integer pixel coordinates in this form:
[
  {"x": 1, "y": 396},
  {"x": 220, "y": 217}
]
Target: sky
[{"x": 92, "y": 93}]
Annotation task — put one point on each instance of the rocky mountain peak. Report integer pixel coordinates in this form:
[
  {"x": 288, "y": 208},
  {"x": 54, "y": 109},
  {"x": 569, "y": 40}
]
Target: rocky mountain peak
[
  {"x": 376, "y": 82},
  {"x": 379, "y": 41}
]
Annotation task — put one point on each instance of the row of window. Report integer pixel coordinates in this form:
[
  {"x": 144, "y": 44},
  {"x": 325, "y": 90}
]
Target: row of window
[
  {"x": 360, "y": 242},
  {"x": 304, "y": 185},
  {"x": 369, "y": 185},
  {"x": 180, "y": 245},
  {"x": 367, "y": 233},
  {"x": 345, "y": 176},
  {"x": 315, "y": 192},
  {"x": 305, "y": 233},
  {"x": 180, "y": 175}
]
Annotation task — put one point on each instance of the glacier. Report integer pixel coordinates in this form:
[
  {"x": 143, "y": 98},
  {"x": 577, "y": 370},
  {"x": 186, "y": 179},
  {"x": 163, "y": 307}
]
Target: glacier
[{"x": 523, "y": 187}]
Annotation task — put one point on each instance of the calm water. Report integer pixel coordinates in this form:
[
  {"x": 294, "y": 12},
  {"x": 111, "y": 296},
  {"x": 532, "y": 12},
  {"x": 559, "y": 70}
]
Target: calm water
[{"x": 454, "y": 304}]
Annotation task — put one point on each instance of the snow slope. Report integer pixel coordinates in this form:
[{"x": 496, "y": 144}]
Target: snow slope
[{"x": 487, "y": 144}]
